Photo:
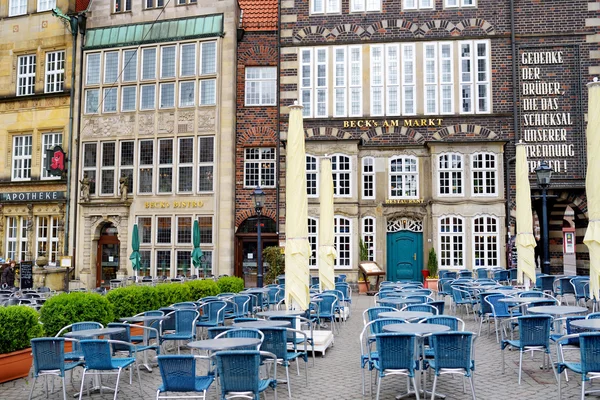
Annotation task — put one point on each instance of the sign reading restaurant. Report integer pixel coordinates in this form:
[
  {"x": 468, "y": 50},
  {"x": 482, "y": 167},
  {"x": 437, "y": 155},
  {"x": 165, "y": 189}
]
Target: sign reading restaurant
[
  {"x": 32, "y": 196},
  {"x": 391, "y": 123}
]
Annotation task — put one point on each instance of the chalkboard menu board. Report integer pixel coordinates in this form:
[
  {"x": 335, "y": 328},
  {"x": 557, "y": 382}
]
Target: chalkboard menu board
[{"x": 26, "y": 274}]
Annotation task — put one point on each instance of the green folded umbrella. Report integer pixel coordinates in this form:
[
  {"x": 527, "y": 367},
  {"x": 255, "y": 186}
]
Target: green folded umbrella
[
  {"x": 197, "y": 252},
  {"x": 135, "y": 257}
]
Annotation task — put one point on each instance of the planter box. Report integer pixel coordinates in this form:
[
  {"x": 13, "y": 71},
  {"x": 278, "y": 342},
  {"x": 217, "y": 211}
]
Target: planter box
[
  {"x": 15, "y": 365},
  {"x": 431, "y": 284},
  {"x": 135, "y": 331},
  {"x": 362, "y": 287}
]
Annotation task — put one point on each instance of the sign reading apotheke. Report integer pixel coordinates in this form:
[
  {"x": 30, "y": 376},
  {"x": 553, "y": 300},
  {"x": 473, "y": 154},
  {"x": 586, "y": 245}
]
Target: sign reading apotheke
[{"x": 32, "y": 196}]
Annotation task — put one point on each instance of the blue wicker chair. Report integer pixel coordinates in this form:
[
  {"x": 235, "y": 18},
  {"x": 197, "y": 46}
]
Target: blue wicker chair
[
  {"x": 49, "y": 359},
  {"x": 243, "y": 333},
  {"x": 212, "y": 314},
  {"x": 297, "y": 322},
  {"x": 421, "y": 307},
  {"x": 589, "y": 365},
  {"x": 326, "y": 310},
  {"x": 500, "y": 311},
  {"x": 452, "y": 354},
  {"x": 241, "y": 306},
  {"x": 481, "y": 273},
  {"x": 151, "y": 334},
  {"x": 397, "y": 355},
  {"x": 76, "y": 353},
  {"x": 562, "y": 287},
  {"x": 582, "y": 289},
  {"x": 371, "y": 314},
  {"x": 179, "y": 375},
  {"x": 125, "y": 336},
  {"x": 185, "y": 327},
  {"x": 534, "y": 335},
  {"x": 238, "y": 372}
]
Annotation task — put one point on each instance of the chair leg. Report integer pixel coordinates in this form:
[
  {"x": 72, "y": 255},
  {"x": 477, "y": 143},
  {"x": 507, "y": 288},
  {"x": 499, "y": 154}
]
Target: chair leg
[
  {"x": 520, "y": 364},
  {"x": 287, "y": 375},
  {"x": 582, "y": 390},
  {"x": 46, "y": 384},
  {"x": 433, "y": 388},
  {"x": 417, "y": 389},
  {"x": 35, "y": 379},
  {"x": 64, "y": 388},
  {"x": 117, "y": 385},
  {"x": 140, "y": 382},
  {"x": 472, "y": 387},
  {"x": 82, "y": 381},
  {"x": 378, "y": 386},
  {"x": 502, "y": 353}
]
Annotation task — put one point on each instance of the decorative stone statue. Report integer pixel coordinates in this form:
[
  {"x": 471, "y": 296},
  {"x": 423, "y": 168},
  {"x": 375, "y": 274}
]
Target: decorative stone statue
[
  {"x": 85, "y": 189},
  {"x": 123, "y": 182}
]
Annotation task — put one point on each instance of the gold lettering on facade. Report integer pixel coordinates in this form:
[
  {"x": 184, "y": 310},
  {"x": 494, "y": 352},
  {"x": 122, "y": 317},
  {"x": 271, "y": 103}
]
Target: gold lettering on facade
[
  {"x": 403, "y": 201},
  {"x": 387, "y": 123},
  {"x": 176, "y": 204}
]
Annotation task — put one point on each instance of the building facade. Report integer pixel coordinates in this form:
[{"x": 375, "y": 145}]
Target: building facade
[
  {"x": 419, "y": 103},
  {"x": 157, "y": 138},
  {"x": 36, "y": 55}
]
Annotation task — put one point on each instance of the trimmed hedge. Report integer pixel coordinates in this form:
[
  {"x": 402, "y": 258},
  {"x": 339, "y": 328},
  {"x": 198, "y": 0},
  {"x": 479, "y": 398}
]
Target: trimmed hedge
[
  {"x": 132, "y": 300},
  {"x": 18, "y": 325},
  {"x": 169, "y": 293},
  {"x": 230, "y": 284},
  {"x": 202, "y": 288},
  {"x": 67, "y": 308}
]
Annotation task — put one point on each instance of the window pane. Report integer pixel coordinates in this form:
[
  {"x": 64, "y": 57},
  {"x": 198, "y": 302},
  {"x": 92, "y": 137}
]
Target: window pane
[
  {"x": 91, "y": 101},
  {"x": 209, "y": 58},
  {"x": 146, "y": 157},
  {"x": 187, "y": 94},
  {"x": 167, "y": 95},
  {"x": 148, "y": 97},
  {"x": 163, "y": 230},
  {"x": 109, "y": 103},
  {"x": 93, "y": 69},
  {"x": 149, "y": 63},
  {"x": 111, "y": 67},
  {"x": 184, "y": 230},
  {"x": 205, "y": 230},
  {"x": 207, "y": 92},
  {"x": 167, "y": 62},
  {"x": 128, "y": 99},
  {"x": 188, "y": 59},
  {"x": 129, "y": 65}
]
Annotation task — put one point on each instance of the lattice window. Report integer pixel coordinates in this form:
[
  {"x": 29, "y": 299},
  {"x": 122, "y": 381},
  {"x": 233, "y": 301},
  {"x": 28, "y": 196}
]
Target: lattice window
[
  {"x": 404, "y": 224},
  {"x": 485, "y": 241},
  {"x": 451, "y": 242}
]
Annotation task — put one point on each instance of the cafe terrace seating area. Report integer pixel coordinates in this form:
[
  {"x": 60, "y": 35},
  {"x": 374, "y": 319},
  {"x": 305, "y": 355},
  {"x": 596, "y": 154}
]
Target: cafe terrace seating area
[{"x": 478, "y": 335}]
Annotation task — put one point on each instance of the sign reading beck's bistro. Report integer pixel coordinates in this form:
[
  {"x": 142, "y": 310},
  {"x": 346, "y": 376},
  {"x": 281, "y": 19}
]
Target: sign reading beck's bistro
[{"x": 32, "y": 196}]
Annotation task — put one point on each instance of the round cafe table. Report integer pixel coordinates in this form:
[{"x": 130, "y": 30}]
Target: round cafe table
[
  {"x": 557, "y": 311},
  {"x": 220, "y": 344},
  {"x": 256, "y": 290},
  {"x": 408, "y": 315},
  {"x": 398, "y": 301},
  {"x": 587, "y": 324},
  {"x": 262, "y": 323},
  {"x": 92, "y": 333},
  {"x": 281, "y": 313}
]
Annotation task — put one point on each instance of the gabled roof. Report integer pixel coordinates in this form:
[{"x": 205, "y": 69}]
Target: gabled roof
[{"x": 259, "y": 15}]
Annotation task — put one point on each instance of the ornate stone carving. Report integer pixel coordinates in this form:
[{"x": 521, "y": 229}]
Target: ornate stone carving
[
  {"x": 206, "y": 120},
  {"x": 106, "y": 126},
  {"x": 404, "y": 224},
  {"x": 146, "y": 124},
  {"x": 166, "y": 122}
]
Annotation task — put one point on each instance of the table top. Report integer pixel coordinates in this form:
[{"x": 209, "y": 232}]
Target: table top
[
  {"x": 263, "y": 323},
  {"x": 557, "y": 310},
  {"x": 417, "y": 329},
  {"x": 591, "y": 324},
  {"x": 405, "y": 314},
  {"x": 144, "y": 318},
  {"x": 397, "y": 300},
  {"x": 94, "y": 332},
  {"x": 223, "y": 343},
  {"x": 256, "y": 290},
  {"x": 520, "y": 300},
  {"x": 281, "y": 313}
]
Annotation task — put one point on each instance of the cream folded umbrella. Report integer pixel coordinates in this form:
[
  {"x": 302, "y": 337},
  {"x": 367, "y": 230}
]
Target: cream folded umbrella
[
  {"x": 525, "y": 240},
  {"x": 297, "y": 248},
  {"x": 327, "y": 252},
  {"x": 592, "y": 186}
]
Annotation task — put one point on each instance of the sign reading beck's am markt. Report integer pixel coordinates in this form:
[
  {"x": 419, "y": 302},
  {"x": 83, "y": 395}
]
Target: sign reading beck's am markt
[{"x": 550, "y": 108}]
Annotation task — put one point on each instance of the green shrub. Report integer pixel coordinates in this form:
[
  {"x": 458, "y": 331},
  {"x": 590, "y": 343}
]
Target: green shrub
[
  {"x": 230, "y": 284},
  {"x": 132, "y": 300},
  {"x": 276, "y": 260},
  {"x": 67, "y": 308},
  {"x": 169, "y": 293},
  {"x": 18, "y": 325},
  {"x": 202, "y": 288}
]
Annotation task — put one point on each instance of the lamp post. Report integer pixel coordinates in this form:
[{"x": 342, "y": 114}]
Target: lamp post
[
  {"x": 259, "y": 202},
  {"x": 543, "y": 175}
]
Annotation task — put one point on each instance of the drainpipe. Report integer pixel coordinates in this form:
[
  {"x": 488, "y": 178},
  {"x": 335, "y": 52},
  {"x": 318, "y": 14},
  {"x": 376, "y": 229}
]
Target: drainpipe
[
  {"x": 278, "y": 133},
  {"x": 513, "y": 47}
]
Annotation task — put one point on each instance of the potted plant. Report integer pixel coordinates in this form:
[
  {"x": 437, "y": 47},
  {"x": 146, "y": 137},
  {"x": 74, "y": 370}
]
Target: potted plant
[
  {"x": 19, "y": 325},
  {"x": 363, "y": 253},
  {"x": 431, "y": 281}
]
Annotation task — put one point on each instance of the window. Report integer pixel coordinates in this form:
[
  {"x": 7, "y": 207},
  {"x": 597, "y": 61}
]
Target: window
[
  {"x": 111, "y": 67},
  {"x": 91, "y": 101},
  {"x": 485, "y": 241},
  {"x": 17, "y": 7},
  {"x": 21, "y": 156},
  {"x": 459, "y": 3},
  {"x": 446, "y": 78},
  {"x": 45, "y": 5},
  {"x": 451, "y": 242},
  {"x": 107, "y": 168},
  {"x": 167, "y": 95},
  {"x": 122, "y": 5},
  {"x": 431, "y": 72},
  {"x": 342, "y": 228},
  {"x": 92, "y": 71},
  {"x": 404, "y": 177},
  {"x": 368, "y": 236},
  {"x": 155, "y": 3},
  {"x": 128, "y": 98},
  {"x": 312, "y": 176},
  {"x": 313, "y": 232},
  {"x": 49, "y": 140},
  {"x": 355, "y": 81},
  {"x": 325, "y": 6},
  {"x": 90, "y": 154},
  {"x": 126, "y": 164},
  {"x": 365, "y": 5},
  {"x": 163, "y": 230},
  {"x": 261, "y": 86},
  {"x": 408, "y": 80},
  {"x": 341, "y": 171},
  {"x": 314, "y": 82},
  {"x": 259, "y": 167},
  {"x": 483, "y": 170},
  {"x": 450, "y": 170},
  {"x": 145, "y": 229},
  {"x": 368, "y": 178},
  {"x": 147, "y": 97},
  {"x": 206, "y": 229},
  {"x": 16, "y": 238},
  {"x": 47, "y": 238},
  {"x": 184, "y": 230},
  {"x": 163, "y": 262},
  {"x": 129, "y": 65},
  {"x": 340, "y": 81},
  {"x": 187, "y": 62},
  {"x": 167, "y": 61},
  {"x": 109, "y": 100},
  {"x": 149, "y": 63},
  {"x": 418, "y": 4},
  {"x": 55, "y": 71},
  {"x": 184, "y": 262},
  {"x": 26, "y": 75},
  {"x": 208, "y": 94},
  {"x": 146, "y": 166},
  {"x": 474, "y": 77},
  {"x": 185, "y": 169},
  {"x": 165, "y": 165},
  {"x": 206, "y": 163},
  {"x": 182, "y": 2},
  {"x": 208, "y": 58},
  {"x": 187, "y": 94}
]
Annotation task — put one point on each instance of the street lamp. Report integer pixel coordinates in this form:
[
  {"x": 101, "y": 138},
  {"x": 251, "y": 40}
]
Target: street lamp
[
  {"x": 259, "y": 202},
  {"x": 543, "y": 175}
]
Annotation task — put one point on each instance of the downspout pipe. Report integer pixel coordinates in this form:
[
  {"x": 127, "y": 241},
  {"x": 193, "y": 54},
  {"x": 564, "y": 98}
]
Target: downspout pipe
[
  {"x": 513, "y": 46},
  {"x": 278, "y": 150}
]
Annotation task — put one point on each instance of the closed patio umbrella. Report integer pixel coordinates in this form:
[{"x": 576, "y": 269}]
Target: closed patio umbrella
[
  {"x": 592, "y": 186},
  {"x": 135, "y": 246},
  {"x": 197, "y": 252},
  {"x": 525, "y": 241},
  {"x": 327, "y": 252},
  {"x": 297, "y": 248}
]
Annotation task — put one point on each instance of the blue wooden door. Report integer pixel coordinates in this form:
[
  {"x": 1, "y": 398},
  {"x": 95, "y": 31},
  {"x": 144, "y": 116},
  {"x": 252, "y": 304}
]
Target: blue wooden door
[{"x": 404, "y": 250}]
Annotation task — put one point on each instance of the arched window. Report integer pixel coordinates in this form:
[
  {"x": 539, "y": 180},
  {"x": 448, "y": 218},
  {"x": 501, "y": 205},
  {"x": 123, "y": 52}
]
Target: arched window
[
  {"x": 485, "y": 241},
  {"x": 451, "y": 241},
  {"x": 343, "y": 241},
  {"x": 404, "y": 177}
]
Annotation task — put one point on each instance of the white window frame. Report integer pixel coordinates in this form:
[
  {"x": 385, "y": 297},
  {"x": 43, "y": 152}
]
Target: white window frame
[
  {"x": 368, "y": 231},
  {"x": 338, "y": 174},
  {"x": 108, "y": 169},
  {"x": 17, "y": 7},
  {"x": 377, "y": 68},
  {"x": 212, "y": 229},
  {"x": 453, "y": 174},
  {"x": 260, "y": 161},
  {"x": 488, "y": 173},
  {"x": 161, "y": 61},
  {"x": 141, "y": 166},
  {"x": 355, "y": 88},
  {"x": 368, "y": 178},
  {"x": 404, "y": 175},
  {"x": 314, "y": 161},
  {"x": 306, "y": 76},
  {"x": 143, "y": 62},
  {"x": 321, "y": 94},
  {"x": 135, "y": 99},
  {"x": 325, "y": 6},
  {"x": 130, "y": 65},
  {"x": 347, "y": 238},
  {"x": 418, "y": 5},
  {"x": 454, "y": 238},
  {"x": 106, "y": 79},
  {"x": 23, "y": 161},
  {"x": 202, "y": 164},
  {"x": 365, "y": 5},
  {"x": 165, "y": 166},
  {"x": 482, "y": 82},
  {"x": 181, "y": 64},
  {"x": 263, "y": 84},
  {"x": 340, "y": 81},
  {"x": 313, "y": 241},
  {"x": 90, "y": 168},
  {"x": 446, "y": 80},
  {"x": 408, "y": 78},
  {"x": 160, "y": 95},
  {"x": 459, "y": 3},
  {"x": 54, "y": 79},
  {"x": 49, "y": 140},
  {"x": 203, "y": 83},
  {"x": 125, "y": 7},
  {"x": 26, "y": 69},
  {"x": 430, "y": 84},
  {"x": 97, "y": 71},
  {"x": 185, "y": 164},
  {"x": 170, "y": 243},
  {"x": 16, "y": 238},
  {"x": 215, "y": 68},
  {"x": 87, "y": 92},
  {"x": 45, "y": 5},
  {"x": 142, "y": 87},
  {"x": 126, "y": 167},
  {"x": 488, "y": 237},
  {"x": 105, "y": 104},
  {"x": 471, "y": 79},
  {"x": 180, "y": 98},
  {"x": 50, "y": 239}
]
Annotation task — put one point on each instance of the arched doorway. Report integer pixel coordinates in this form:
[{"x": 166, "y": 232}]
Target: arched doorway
[
  {"x": 246, "y": 266},
  {"x": 107, "y": 259}
]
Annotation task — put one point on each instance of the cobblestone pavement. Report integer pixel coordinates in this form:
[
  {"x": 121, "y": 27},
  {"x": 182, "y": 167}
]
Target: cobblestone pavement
[{"x": 338, "y": 374}]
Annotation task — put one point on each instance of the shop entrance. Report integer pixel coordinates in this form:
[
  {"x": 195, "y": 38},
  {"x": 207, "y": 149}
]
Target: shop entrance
[
  {"x": 246, "y": 262},
  {"x": 107, "y": 261}
]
